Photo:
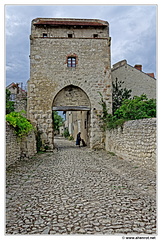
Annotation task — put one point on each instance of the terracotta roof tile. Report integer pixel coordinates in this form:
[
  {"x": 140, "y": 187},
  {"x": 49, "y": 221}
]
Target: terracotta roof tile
[{"x": 70, "y": 23}]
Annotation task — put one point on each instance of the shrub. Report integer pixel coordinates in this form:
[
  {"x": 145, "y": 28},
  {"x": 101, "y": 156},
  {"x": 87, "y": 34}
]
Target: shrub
[
  {"x": 21, "y": 125},
  {"x": 119, "y": 94},
  {"x": 131, "y": 109},
  {"x": 66, "y": 133},
  {"x": 137, "y": 108},
  {"x": 70, "y": 138}
]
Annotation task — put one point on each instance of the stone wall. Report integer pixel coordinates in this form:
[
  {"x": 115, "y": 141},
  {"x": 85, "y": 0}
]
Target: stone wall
[
  {"x": 50, "y": 74},
  {"x": 20, "y": 104},
  {"x": 135, "y": 141},
  {"x": 71, "y": 96},
  {"x": 16, "y": 148}
]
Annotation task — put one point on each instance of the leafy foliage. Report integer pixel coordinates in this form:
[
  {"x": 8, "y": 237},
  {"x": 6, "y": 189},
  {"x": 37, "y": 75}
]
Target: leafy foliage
[
  {"x": 119, "y": 94},
  {"x": 131, "y": 109},
  {"x": 58, "y": 121},
  {"x": 70, "y": 138},
  {"x": 137, "y": 108},
  {"x": 21, "y": 125},
  {"x": 9, "y": 104},
  {"x": 66, "y": 133}
]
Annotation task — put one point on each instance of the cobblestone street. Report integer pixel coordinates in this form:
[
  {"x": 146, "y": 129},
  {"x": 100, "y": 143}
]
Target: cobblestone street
[{"x": 79, "y": 191}]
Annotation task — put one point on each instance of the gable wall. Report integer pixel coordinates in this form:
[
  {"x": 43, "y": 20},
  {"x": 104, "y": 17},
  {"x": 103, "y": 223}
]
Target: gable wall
[{"x": 138, "y": 81}]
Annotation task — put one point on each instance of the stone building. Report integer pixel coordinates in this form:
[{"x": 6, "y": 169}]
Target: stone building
[
  {"x": 18, "y": 96},
  {"x": 135, "y": 79},
  {"x": 16, "y": 91},
  {"x": 69, "y": 66},
  {"x": 77, "y": 121}
]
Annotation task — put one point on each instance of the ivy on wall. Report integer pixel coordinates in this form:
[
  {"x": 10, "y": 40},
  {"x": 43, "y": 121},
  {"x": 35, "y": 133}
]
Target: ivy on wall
[{"x": 21, "y": 125}]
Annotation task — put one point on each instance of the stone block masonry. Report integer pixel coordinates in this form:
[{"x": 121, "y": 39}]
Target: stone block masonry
[
  {"x": 17, "y": 148},
  {"x": 52, "y": 43},
  {"x": 135, "y": 141}
]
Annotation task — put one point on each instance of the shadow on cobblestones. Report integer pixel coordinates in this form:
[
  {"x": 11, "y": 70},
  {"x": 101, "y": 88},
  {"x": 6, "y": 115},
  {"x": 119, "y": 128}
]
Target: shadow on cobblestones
[{"x": 79, "y": 191}]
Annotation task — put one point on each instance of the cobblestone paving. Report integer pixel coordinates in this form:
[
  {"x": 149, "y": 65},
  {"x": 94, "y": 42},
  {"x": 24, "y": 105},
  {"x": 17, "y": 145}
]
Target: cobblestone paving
[{"x": 79, "y": 191}]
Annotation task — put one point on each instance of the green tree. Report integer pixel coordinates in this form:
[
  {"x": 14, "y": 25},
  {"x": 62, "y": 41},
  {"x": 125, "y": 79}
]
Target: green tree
[
  {"x": 131, "y": 109},
  {"x": 137, "y": 108},
  {"x": 57, "y": 121},
  {"x": 9, "y": 104},
  {"x": 119, "y": 94}
]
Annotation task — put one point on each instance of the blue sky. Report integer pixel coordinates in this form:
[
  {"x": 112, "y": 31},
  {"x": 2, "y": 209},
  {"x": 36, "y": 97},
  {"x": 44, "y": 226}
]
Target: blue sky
[{"x": 132, "y": 29}]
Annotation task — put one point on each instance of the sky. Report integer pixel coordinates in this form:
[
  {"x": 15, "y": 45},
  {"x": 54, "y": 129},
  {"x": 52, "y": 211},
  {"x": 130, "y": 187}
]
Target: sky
[
  {"x": 133, "y": 32},
  {"x": 133, "y": 29}
]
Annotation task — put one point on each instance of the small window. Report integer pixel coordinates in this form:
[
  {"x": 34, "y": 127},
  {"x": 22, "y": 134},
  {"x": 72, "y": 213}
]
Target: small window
[
  {"x": 71, "y": 62},
  {"x": 70, "y": 35},
  {"x": 44, "y": 34},
  {"x": 95, "y": 35},
  {"x": 12, "y": 97}
]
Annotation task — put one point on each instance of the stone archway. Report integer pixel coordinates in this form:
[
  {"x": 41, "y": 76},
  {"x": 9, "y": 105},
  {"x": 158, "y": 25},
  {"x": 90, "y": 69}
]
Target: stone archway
[
  {"x": 75, "y": 102},
  {"x": 71, "y": 96},
  {"x": 80, "y": 82}
]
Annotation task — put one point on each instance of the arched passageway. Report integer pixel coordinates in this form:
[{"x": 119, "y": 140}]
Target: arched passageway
[
  {"x": 69, "y": 70},
  {"x": 74, "y": 102}
]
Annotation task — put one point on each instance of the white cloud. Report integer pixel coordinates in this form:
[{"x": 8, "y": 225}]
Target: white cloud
[
  {"x": 13, "y": 23},
  {"x": 133, "y": 36},
  {"x": 12, "y": 67},
  {"x": 8, "y": 68},
  {"x": 132, "y": 29}
]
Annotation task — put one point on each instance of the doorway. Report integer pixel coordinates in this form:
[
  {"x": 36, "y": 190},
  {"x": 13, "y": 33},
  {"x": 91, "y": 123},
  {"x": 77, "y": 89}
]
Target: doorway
[{"x": 75, "y": 105}]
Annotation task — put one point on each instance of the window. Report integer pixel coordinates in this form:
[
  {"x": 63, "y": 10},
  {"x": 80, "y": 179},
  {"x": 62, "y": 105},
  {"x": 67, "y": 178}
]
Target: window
[
  {"x": 95, "y": 35},
  {"x": 71, "y": 62},
  {"x": 12, "y": 96},
  {"x": 44, "y": 34},
  {"x": 70, "y": 35}
]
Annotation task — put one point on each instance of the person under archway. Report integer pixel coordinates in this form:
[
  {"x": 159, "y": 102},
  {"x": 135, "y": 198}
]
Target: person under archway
[{"x": 78, "y": 139}]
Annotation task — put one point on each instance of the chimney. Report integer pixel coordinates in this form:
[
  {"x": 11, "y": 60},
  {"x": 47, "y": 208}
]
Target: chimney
[
  {"x": 151, "y": 75},
  {"x": 138, "y": 66}
]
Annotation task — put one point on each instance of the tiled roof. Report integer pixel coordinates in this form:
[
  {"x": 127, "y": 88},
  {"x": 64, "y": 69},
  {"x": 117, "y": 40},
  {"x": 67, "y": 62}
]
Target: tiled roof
[{"x": 70, "y": 23}]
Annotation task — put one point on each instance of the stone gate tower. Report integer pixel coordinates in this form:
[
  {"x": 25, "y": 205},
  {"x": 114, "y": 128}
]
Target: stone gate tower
[{"x": 69, "y": 66}]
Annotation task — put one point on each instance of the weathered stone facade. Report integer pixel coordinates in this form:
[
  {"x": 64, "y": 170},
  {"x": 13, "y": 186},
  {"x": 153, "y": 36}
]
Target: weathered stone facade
[
  {"x": 21, "y": 104},
  {"x": 135, "y": 79},
  {"x": 17, "y": 148},
  {"x": 77, "y": 121},
  {"x": 53, "y": 42},
  {"x": 135, "y": 141},
  {"x": 18, "y": 96},
  {"x": 71, "y": 96}
]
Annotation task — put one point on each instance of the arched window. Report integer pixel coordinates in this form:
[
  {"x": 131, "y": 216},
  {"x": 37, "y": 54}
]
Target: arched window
[{"x": 71, "y": 62}]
